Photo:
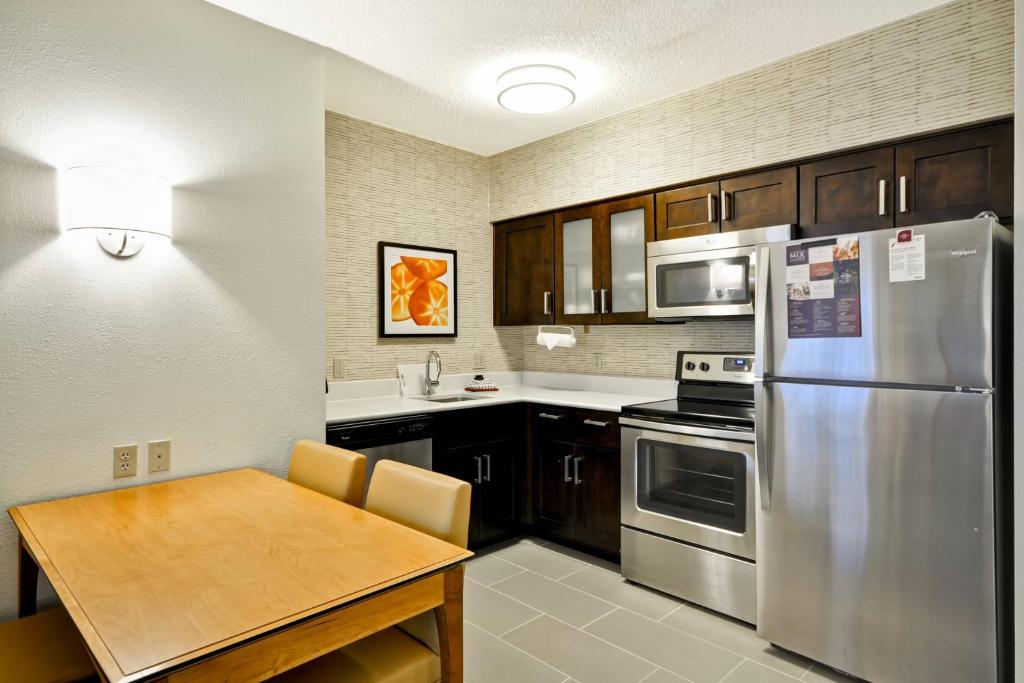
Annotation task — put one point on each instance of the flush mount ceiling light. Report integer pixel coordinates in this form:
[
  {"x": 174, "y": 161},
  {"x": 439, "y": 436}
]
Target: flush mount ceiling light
[
  {"x": 120, "y": 206},
  {"x": 536, "y": 89}
]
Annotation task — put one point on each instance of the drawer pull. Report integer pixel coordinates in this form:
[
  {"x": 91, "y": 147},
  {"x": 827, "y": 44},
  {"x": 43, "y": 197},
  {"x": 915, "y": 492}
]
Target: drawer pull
[
  {"x": 550, "y": 416},
  {"x": 479, "y": 470},
  {"x": 596, "y": 423},
  {"x": 565, "y": 464},
  {"x": 487, "y": 458},
  {"x": 576, "y": 470}
]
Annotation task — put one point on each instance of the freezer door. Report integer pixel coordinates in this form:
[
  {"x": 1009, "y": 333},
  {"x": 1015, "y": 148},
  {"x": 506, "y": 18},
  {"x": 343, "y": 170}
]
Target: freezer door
[
  {"x": 936, "y": 331},
  {"x": 876, "y": 550}
]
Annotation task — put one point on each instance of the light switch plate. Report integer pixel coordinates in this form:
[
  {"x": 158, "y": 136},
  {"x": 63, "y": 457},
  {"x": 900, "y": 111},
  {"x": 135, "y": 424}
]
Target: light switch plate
[
  {"x": 339, "y": 368},
  {"x": 159, "y": 456},
  {"x": 126, "y": 460},
  {"x": 478, "y": 361}
]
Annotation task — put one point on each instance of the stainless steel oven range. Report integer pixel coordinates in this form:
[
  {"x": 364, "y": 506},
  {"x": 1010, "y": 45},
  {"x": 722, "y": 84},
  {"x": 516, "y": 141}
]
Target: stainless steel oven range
[{"x": 688, "y": 486}]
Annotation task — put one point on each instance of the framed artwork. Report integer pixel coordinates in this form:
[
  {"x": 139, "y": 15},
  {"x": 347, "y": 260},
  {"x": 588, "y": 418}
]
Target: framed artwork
[{"x": 417, "y": 291}]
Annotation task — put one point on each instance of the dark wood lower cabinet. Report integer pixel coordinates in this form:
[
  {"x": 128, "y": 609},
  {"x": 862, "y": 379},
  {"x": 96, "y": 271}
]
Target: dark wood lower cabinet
[
  {"x": 491, "y": 469},
  {"x": 578, "y": 495},
  {"x": 554, "y": 488},
  {"x": 597, "y": 493}
]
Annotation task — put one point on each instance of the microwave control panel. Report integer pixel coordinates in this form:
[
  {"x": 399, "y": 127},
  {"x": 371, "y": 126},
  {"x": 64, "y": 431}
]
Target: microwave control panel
[{"x": 716, "y": 367}]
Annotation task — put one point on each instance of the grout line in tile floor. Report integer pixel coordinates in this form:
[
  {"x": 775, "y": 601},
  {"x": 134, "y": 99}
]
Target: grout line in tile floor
[
  {"x": 626, "y": 609},
  {"x": 515, "y": 647},
  {"x": 670, "y": 613},
  {"x": 614, "y": 608},
  {"x": 729, "y": 672},
  {"x": 565, "y": 623},
  {"x": 531, "y": 619}
]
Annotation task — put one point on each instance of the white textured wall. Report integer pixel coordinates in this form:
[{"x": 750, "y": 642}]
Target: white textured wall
[
  {"x": 215, "y": 340},
  {"x": 383, "y": 185},
  {"x": 948, "y": 66}
]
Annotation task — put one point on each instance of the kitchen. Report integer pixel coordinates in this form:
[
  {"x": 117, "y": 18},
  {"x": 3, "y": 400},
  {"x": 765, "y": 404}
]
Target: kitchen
[{"x": 623, "y": 302}]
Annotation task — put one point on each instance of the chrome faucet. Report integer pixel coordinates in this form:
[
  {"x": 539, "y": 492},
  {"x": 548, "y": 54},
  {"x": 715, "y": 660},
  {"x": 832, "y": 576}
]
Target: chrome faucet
[{"x": 430, "y": 385}]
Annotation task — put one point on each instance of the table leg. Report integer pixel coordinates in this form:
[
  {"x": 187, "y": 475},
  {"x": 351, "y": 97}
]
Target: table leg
[
  {"x": 28, "y": 581},
  {"x": 449, "y": 626}
]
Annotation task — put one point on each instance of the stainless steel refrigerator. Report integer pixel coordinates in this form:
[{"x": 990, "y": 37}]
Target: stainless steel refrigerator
[{"x": 882, "y": 449}]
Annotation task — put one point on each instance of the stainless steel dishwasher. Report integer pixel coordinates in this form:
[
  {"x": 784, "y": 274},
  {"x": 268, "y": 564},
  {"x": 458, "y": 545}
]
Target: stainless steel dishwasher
[{"x": 407, "y": 439}]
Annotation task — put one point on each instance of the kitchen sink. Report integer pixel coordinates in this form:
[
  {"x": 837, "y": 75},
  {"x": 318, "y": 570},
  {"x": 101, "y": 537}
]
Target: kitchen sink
[{"x": 452, "y": 399}]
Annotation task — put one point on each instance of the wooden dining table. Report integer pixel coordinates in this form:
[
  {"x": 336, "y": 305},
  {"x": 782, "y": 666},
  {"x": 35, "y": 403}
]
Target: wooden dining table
[{"x": 233, "y": 576}]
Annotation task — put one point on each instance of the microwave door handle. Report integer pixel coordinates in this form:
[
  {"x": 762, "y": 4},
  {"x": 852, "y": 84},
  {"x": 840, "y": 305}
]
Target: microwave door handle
[
  {"x": 762, "y": 441},
  {"x": 762, "y": 310}
]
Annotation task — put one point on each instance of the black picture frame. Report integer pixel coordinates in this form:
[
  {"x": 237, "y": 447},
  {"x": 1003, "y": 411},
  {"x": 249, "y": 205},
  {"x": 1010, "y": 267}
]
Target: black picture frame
[{"x": 383, "y": 292}]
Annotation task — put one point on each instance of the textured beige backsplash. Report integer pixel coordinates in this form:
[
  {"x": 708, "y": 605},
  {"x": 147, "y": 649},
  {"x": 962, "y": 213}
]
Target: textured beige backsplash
[
  {"x": 636, "y": 350},
  {"x": 383, "y": 185},
  {"x": 949, "y": 66}
]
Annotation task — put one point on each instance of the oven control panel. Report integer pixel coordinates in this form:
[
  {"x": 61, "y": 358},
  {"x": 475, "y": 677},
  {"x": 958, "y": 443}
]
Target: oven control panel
[{"x": 716, "y": 367}]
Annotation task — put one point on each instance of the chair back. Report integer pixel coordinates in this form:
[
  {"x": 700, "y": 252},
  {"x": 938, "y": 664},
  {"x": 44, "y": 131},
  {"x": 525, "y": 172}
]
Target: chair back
[
  {"x": 430, "y": 502},
  {"x": 331, "y": 471}
]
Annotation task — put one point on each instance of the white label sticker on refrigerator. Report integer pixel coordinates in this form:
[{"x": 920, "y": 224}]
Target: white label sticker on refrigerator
[{"x": 906, "y": 257}]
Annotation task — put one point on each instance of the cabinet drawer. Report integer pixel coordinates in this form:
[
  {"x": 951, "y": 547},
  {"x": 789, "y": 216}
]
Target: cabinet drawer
[
  {"x": 589, "y": 427},
  {"x": 597, "y": 428},
  {"x": 552, "y": 422}
]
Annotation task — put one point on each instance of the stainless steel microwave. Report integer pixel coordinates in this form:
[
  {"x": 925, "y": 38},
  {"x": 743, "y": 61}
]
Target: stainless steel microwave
[{"x": 706, "y": 275}]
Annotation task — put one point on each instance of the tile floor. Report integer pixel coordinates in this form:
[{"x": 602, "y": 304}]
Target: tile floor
[{"x": 535, "y": 611}]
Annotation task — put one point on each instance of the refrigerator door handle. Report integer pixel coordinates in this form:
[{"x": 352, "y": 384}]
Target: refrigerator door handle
[
  {"x": 762, "y": 265},
  {"x": 762, "y": 439}
]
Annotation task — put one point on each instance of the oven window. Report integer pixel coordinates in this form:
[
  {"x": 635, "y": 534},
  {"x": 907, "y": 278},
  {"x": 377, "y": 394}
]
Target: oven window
[
  {"x": 704, "y": 283},
  {"x": 696, "y": 484}
]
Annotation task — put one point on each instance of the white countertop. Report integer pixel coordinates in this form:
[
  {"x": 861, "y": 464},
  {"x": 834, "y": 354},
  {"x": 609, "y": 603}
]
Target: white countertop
[{"x": 355, "y": 400}]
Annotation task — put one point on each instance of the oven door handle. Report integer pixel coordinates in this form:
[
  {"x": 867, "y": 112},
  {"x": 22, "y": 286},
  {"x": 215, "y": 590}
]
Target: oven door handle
[{"x": 762, "y": 440}]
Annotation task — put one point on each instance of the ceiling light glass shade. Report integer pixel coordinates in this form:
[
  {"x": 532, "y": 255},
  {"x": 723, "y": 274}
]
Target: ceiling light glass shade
[
  {"x": 536, "y": 89},
  {"x": 122, "y": 206}
]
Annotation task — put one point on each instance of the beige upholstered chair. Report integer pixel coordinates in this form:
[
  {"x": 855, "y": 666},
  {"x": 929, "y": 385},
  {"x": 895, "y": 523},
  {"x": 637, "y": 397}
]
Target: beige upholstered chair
[
  {"x": 407, "y": 653},
  {"x": 331, "y": 471},
  {"x": 44, "y": 648}
]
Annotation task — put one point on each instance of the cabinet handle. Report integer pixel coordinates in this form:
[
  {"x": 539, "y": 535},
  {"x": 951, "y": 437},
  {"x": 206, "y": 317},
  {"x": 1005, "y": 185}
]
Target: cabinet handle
[
  {"x": 565, "y": 466},
  {"x": 881, "y": 197},
  {"x": 547, "y": 303},
  {"x": 711, "y": 207},
  {"x": 487, "y": 477},
  {"x": 549, "y": 416},
  {"x": 593, "y": 299},
  {"x": 725, "y": 205},
  {"x": 604, "y": 300},
  {"x": 479, "y": 469},
  {"x": 903, "y": 194},
  {"x": 576, "y": 470},
  {"x": 596, "y": 423}
]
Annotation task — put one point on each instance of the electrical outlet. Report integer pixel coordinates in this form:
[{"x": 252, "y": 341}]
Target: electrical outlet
[
  {"x": 339, "y": 368},
  {"x": 126, "y": 460},
  {"x": 478, "y": 361},
  {"x": 159, "y": 456}
]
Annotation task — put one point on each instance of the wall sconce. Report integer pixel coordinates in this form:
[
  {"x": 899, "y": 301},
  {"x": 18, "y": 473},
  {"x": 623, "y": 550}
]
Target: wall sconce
[{"x": 121, "y": 207}]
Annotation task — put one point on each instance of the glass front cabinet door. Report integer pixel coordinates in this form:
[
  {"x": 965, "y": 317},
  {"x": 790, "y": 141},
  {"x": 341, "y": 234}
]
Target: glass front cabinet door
[{"x": 600, "y": 262}]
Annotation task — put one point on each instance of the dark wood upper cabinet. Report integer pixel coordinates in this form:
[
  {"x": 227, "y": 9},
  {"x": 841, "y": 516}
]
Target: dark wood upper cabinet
[
  {"x": 577, "y": 266},
  {"x": 626, "y": 226},
  {"x": 955, "y": 176},
  {"x": 687, "y": 211},
  {"x": 847, "y": 193},
  {"x": 524, "y": 284},
  {"x": 758, "y": 200},
  {"x": 601, "y": 262}
]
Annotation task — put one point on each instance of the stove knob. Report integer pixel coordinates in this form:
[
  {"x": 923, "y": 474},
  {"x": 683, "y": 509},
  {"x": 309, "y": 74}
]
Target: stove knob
[
  {"x": 690, "y": 365},
  {"x": 704, "y": 367}
]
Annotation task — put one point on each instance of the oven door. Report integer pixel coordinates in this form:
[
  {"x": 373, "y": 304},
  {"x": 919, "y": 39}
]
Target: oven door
[
  {"x": 703, "y": 283},
  {"x": 695, "y": 489}
]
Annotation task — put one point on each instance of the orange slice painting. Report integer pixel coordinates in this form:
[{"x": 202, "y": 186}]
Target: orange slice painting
[
  {"x": 428, "y": 305},
  {"x": 425, "y": 268},
  {"x": 403, "y": 284}
]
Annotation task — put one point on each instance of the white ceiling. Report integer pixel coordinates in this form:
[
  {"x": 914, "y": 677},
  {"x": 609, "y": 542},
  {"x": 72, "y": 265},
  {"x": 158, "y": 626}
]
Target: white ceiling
[{"x": 428, "y": 67}]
